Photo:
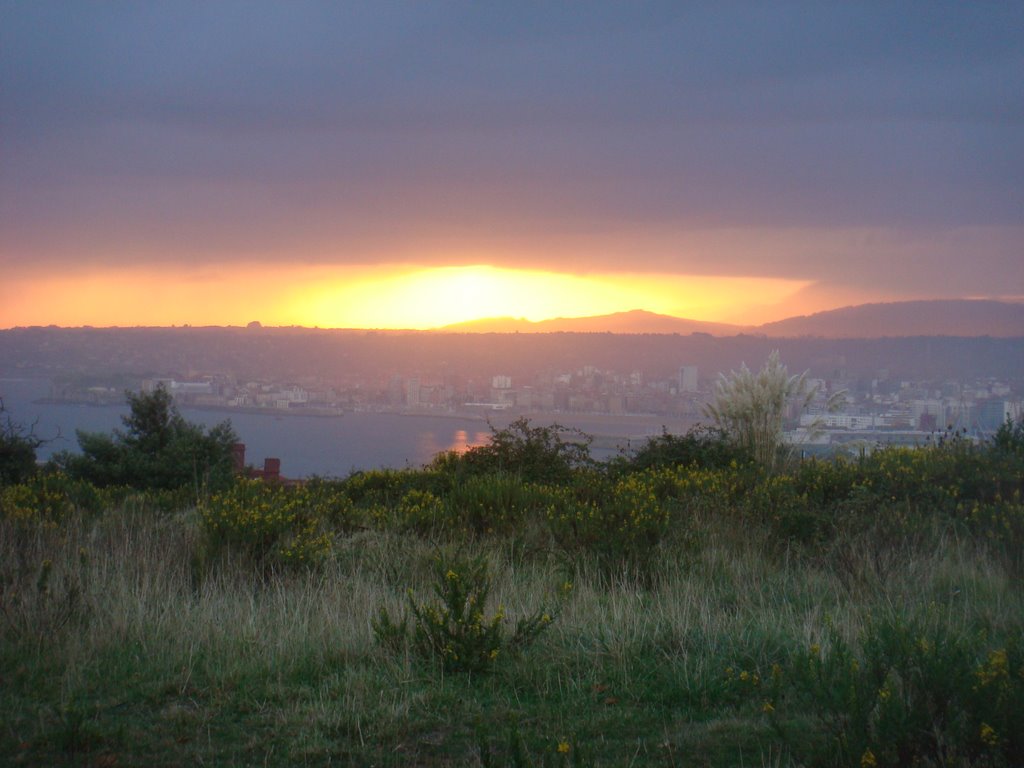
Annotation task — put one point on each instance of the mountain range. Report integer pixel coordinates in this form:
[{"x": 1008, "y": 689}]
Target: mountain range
[{"x": 941, "y": 317}]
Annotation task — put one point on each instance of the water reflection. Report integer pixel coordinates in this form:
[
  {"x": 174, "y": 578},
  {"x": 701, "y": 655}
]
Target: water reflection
[
  {"x": 433, "y": 442},
  {"x": 463, "y": 442}
]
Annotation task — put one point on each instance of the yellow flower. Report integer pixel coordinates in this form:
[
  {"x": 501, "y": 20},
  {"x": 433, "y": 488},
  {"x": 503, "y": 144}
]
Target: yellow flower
[
  {"x": 868, "y": 760},
  {"x": 451, "y": 575},
  {"x": 988, "y": 735},
  {"x": 995, "y": 668},
  {"x": 563, "y": 747},
  {"x": 815, "y": 649},
  {"x": 767, "y": 708}
]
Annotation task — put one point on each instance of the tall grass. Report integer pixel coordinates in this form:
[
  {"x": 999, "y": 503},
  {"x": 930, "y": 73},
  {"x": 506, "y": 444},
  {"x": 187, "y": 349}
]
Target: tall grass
[{"x": 701, "y": 615}]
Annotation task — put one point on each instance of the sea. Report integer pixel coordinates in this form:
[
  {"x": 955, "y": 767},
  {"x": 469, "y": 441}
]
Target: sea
[{"x": 325, "y": 446}]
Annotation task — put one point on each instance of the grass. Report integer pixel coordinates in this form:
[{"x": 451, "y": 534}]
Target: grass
[
  {"x": 133, "y": 647},
  {"x": 864, "y": 613}
]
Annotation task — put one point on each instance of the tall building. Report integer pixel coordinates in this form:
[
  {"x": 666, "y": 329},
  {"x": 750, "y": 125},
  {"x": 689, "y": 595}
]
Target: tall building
[
  {"x": 412, "y": 392},
  {"x": 688, "y": 378}
]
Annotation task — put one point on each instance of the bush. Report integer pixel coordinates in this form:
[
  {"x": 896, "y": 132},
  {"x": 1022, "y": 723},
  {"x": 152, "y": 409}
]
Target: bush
[
  {"x": 910, "y": 695},
  {"x": 386, "y": 487},
  {"x": 499, "y": 503},
  {"x": 622, "y": 531},
  {"x": 49, "y": 498},
  {"x": 274, "y": 524},
  {"x": 454, "y": 629},
  {"x": 1001, "y": 525},
  {"x": 703, "y": 447},
  {"x": 420, "y": 512},
  {"x": 534, "y": 454},
  {"x": 1009, "y": 438}
]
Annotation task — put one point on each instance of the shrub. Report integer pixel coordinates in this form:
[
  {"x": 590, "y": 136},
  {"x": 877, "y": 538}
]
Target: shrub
[
  {"x": 385, "y": 487},
  {"x": 1001, "y": 524},
  {"x": 996, "y": 723},
  {"x": 49, "y": 498},
  {"x": 703, "y": 447},
  {"x": 535, "y": 454},
  {"x": 622, "y": 531},
  {"x": 1009, "y": 438},
  {"x": 420, "y": 512},
  {"x": 792, "y": 515},
  {"x": 275, "y": 524},
  {"x": 910, "y": 695},
  {"x": 498, "y": 503},
  {"x": 454, "y": 629}
]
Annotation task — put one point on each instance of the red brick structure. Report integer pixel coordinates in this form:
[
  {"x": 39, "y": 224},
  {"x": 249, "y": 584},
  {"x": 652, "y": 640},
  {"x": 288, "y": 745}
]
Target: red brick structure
[{"x": 271, "y": 471}]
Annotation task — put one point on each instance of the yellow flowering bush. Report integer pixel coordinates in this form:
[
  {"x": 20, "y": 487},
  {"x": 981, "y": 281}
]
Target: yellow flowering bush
[
  {"x": 386, "y": 487},
  {"x": 1001, "y": 524},
  {"x": 496, "y": 503},
  {"x": 454, "y": 629},
  {"x": 622, "y": 530},
  {"x": 290, "y": 526},
  {"x": 48, "y": 499},
  {"x": 24, "y": 504},
  {"x": 998, "y": 703},
  {"x": 906, "y": 694},
  {"x": 418, "y": 511}
]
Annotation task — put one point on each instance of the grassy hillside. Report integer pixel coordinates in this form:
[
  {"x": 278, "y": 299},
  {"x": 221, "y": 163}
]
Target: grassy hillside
[{"x": 647, "y": 612}]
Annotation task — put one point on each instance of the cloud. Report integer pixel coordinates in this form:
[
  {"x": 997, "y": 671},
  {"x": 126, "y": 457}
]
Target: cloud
[{"x": 847, "y": 144}]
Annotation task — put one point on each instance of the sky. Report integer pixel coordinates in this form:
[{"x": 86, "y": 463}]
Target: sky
[{"x": 385, "y": 164}]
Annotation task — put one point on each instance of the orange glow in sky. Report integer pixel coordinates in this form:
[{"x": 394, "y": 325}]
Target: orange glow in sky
[
  {"x": 395, "y": 297},
  {"x": 438, "y": 296}
]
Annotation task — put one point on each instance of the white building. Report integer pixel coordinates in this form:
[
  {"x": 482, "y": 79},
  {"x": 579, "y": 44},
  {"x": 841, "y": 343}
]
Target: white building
[{"x": 688, "y": 378}]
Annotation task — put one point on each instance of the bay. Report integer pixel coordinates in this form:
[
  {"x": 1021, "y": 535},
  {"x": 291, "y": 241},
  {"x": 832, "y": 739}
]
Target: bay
[{"x": 307, "y": 445}]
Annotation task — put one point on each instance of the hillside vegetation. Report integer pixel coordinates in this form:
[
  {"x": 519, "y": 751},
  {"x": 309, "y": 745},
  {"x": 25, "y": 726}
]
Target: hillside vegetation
[{"x": 523, "y": 605}]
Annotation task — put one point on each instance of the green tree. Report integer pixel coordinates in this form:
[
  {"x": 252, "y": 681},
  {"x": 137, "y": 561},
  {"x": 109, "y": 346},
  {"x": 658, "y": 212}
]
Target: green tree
[
  {"x": 158, "y": 449},
  {"x": 750, "y": 407},
  {"x": 702, "y": 446},
  {"x": 17, "y": 450},
  {"x": 1009, "y": 438},
  {"x": 535, "y": 454}
]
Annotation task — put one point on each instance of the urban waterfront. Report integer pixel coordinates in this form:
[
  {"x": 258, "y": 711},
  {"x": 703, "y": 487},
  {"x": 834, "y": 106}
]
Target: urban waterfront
[
  {"x": 306, "y": 445},
  {"x": 332, "y": 446}
]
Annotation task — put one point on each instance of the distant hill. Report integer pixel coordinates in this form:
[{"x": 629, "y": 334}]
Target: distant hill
[
  {"x": 954, "y": 317},
  {"x": 634, "y": 321},
  {"x": 944, "y": 317}
]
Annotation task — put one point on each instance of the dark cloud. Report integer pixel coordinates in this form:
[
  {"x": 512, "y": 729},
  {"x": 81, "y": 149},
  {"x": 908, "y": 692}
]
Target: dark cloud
[{"x": 544, "y": 132}]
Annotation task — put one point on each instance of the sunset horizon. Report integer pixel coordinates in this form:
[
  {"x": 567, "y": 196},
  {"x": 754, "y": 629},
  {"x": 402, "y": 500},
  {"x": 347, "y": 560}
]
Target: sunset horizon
[
  {"x": 416, "y": 167},
  {"x": 499, "y": 323}
]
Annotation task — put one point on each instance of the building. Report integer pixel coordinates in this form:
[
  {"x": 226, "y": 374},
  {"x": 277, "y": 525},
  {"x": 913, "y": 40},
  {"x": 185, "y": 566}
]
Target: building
[
  {"x": 688, "y": 378},
  {"x": 990, "y": 415},
  {"x": 412, "y": 392}
]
